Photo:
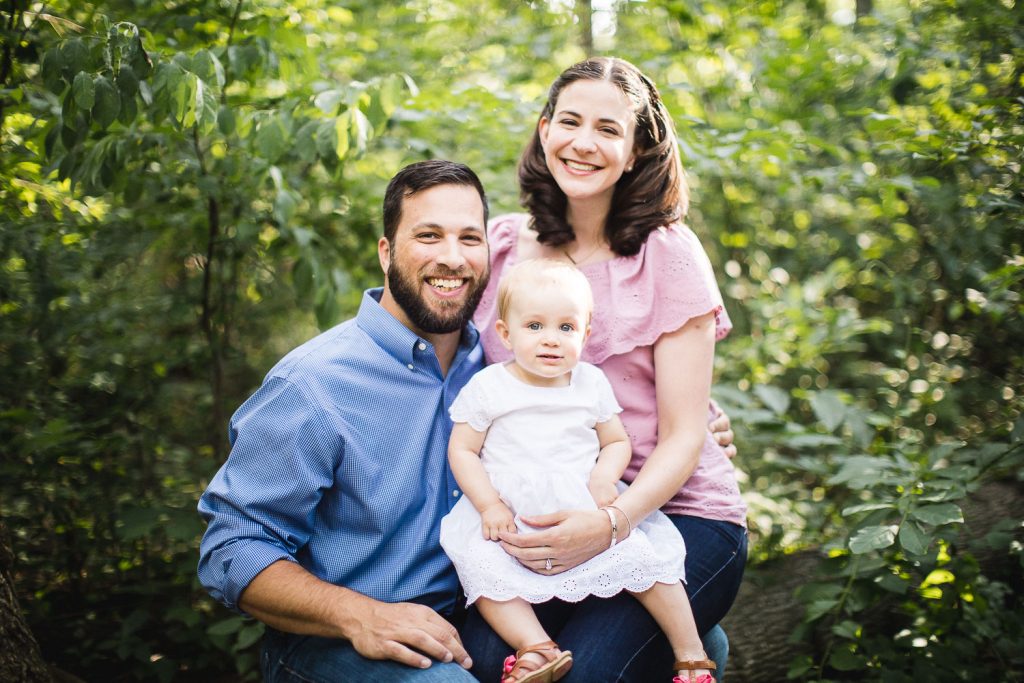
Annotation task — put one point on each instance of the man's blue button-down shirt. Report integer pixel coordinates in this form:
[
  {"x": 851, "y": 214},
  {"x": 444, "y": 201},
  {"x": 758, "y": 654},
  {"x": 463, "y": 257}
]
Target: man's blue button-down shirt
[{"x": 339, "y": 462}]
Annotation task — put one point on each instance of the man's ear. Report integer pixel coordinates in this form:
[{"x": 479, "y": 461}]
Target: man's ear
[
  {"x": 384, "y": 254},
  {"x": 503, "y": 334}
]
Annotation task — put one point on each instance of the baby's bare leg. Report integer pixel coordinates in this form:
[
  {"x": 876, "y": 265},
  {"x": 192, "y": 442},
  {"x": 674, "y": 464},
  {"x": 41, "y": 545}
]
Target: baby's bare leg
[
  {"x": 517, "y": 624},
  {"x": 670, "y": 607}
]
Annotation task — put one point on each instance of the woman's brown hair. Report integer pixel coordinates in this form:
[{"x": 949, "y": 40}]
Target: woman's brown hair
[{"x": 652, "y": 195}]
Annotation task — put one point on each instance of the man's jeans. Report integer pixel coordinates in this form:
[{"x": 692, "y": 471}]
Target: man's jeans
[{"x": 289, "y": 658}]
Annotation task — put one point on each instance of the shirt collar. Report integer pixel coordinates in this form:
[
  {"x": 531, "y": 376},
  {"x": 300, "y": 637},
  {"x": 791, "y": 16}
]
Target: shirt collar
[{"x": 397, "y": 339}]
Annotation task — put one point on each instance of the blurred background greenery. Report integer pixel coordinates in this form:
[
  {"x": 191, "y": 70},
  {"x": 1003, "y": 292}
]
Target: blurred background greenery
[{"x": 189, "y": 189}]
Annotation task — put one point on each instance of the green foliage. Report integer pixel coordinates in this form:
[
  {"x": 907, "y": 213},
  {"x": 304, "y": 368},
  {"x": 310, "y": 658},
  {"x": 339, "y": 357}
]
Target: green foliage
[{"x": 189, "y": 189}]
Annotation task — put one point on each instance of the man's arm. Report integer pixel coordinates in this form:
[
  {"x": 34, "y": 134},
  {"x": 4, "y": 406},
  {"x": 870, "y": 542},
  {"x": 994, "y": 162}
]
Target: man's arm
[{"x": 287, "y": 597}]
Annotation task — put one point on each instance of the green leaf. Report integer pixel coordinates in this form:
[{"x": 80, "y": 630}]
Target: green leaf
[
  {"x": 206, "y": 65},
  {"x": 136, "y": 523},
  {"x": 327, "y": 101},
  {"x": 872, "y": 538},
  {"x": 942, "y": 513},
  {"x": 206, "y": 107},
  {"x": 819, "y": 608},
  {"x": 74, "y": 57},
  {"x": 913, "y": 539},
  {"x": 52, "y": 68},
  {"x": 861, "y": 471},
  {"x": 801, "y": 441},
  {"x": 829, "y": 409},
  {"x": 360, "y": 129},
  {"x": 83, "y": 90},
  {"x": 341, "y": 140},
  {"x": 302, "y": 279},
  {"x": 845, "y": 660},
  {"x": 226, "y": 120},
  {"x": 271, "y": 139},
  {"x": 866, "y": 507},
  {"x": 327, "y": 307},
  {"x": 892, "y": 583},
  {"x": 799, "y": 667},
  {"x": 249, "y": 634},
  {"x": 108, "y": 103},
  {"x": 226, "y": 627},
  {"x": 775, "y": 398},
  {"x": 846, "y": 629}
]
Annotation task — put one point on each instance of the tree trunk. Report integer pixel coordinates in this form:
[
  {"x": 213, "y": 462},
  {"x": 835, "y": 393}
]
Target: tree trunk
[
  {"x": 20, "y": 658},
  {"x": 766, "y": 613},
  {"x": 585, "y": 14}
]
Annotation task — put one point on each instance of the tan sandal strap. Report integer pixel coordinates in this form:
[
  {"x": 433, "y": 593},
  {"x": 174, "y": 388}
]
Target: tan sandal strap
[
  {"x": 537, "y": 649},
  {"x": 694, "y": 664}
]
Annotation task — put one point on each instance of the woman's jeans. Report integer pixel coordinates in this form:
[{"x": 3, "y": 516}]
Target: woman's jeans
[{"x": 615, "y": 639}]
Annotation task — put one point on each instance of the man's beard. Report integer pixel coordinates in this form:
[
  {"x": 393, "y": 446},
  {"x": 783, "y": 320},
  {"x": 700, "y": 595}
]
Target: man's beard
[{"x": 453, "y": 316}]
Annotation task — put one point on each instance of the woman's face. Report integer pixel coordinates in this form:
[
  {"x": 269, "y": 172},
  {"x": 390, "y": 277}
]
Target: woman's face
[{"x": 588, "y": 142}]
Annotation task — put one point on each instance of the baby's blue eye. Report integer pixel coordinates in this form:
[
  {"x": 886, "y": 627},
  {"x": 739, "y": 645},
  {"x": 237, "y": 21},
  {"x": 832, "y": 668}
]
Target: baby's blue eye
[
  {"x": 533, "y": 326},
  {"x": 566, "y": 327}
]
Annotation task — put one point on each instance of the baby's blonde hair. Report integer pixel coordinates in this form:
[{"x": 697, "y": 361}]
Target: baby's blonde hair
[{"x": 537, "y": 273}]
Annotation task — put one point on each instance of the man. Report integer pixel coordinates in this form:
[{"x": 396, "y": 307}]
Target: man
[{"x": 324, "y": 521}]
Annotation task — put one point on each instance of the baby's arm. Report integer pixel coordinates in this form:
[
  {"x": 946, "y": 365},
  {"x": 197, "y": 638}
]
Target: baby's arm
[
  {"x": 611, "y": 461},
  {"x": 464, "y": 458}
]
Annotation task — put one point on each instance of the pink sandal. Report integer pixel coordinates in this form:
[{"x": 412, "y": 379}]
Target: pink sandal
[
  {"x": 557, "y": 665},
  {"x": 691, "y": 665}
]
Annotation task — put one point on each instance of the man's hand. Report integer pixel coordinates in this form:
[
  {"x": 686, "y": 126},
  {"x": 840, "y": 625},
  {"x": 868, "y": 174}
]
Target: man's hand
[
  {"x": 721, "y": 428},
  {"x": 289, "y": 598},
  {"x": 496, "y": 518},
  {"x": 404, "y": 632},
  {"x": 602, "y": 491}
]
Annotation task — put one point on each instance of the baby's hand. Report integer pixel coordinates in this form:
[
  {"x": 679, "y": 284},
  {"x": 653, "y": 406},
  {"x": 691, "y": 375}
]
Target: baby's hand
[
  {"x": 603, "y": 492},
  {"x": 496, "y": 518}
]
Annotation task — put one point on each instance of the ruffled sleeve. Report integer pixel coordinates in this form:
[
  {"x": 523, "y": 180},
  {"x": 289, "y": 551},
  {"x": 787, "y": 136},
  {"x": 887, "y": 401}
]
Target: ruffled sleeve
[
  {"x": 639, "y": 298},
  {"x": 472, "y": 407}
]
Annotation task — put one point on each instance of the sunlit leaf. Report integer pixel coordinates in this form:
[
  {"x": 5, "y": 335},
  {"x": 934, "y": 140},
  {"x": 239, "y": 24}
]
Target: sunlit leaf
[{"x": 872, "y": 538}]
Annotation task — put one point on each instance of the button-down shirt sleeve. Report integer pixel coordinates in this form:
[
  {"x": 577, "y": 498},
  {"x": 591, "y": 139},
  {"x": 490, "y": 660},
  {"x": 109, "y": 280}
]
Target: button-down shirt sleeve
[{"x": 284, "y": 454}]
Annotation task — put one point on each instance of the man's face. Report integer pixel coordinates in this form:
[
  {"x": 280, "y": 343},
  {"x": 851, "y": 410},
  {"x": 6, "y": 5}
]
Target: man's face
[{"x": 438, "y": 266}]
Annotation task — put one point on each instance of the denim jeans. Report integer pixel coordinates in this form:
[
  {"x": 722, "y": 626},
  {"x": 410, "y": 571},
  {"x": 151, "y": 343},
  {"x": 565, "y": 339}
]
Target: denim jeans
[
  {"x": 615, "y": 639},
  {"x": 290, "y": 658}
]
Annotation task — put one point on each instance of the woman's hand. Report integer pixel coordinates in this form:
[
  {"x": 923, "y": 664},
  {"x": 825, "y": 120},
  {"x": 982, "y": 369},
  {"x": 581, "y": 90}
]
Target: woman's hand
[
  {"x": 568, "y": 538},
  {"x": 495, "y": 519},
  {"x": 720, "y": 427}
]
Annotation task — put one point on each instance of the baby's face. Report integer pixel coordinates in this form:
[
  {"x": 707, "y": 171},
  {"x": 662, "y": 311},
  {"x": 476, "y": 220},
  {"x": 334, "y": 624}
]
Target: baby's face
[{"x": 545, "y": 330}]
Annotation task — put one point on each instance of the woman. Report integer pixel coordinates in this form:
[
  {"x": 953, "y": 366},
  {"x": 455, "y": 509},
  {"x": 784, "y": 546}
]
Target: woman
[{"x": 602, "y": 180}]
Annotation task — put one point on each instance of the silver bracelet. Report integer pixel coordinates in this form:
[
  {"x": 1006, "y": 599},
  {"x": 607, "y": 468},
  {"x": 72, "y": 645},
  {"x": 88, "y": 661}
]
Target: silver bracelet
[
  {"x": 615, "y": 526},
  {"x": 629, "y": 524}
]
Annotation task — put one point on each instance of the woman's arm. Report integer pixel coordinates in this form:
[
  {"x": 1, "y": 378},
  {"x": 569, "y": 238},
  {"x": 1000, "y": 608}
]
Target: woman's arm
[
  {"x": 464, "y": 457},
  {"x": 683, "y": 362}
]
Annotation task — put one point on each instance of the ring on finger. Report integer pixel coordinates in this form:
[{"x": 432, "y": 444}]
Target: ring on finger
[{"x": 547, "y": 564}]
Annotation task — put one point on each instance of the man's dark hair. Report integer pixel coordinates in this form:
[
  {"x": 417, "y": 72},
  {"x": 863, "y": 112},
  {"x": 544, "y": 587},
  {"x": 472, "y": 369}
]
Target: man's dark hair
[{"x": 420, "y": 176}]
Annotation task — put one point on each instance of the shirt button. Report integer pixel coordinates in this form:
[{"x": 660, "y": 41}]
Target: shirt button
[
  {"x": 422, "y": 346},
  {"x": 455, "y": 493},
  {"x": 411, "y": 366}
]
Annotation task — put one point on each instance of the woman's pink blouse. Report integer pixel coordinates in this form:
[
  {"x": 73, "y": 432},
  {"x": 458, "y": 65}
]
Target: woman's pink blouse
[{"x": 636, "y": 300}]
